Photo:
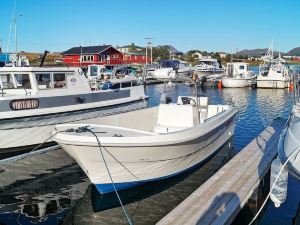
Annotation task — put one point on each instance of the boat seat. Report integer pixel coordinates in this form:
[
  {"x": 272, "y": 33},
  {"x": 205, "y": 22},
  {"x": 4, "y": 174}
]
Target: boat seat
[{"x": 173, "y": 117}]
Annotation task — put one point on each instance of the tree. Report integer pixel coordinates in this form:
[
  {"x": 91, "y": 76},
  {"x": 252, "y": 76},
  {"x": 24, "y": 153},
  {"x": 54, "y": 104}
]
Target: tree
[
  {"x": 160, "y": 53},
  {"x": 132, "y": 48}
]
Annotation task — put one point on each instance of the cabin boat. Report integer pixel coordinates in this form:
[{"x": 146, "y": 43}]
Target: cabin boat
[
  {"x": 273, "y": 73},
  {"x": 238, "y": 75},
  {"x": 172, "y": 69},
  {"x": 208, "y": 67},
  {"x": 172, "y": 139},
  {"x": 34, "y": 99}
]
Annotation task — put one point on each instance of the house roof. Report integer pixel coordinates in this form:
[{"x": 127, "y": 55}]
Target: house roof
[{"x": 86, "y": 50}]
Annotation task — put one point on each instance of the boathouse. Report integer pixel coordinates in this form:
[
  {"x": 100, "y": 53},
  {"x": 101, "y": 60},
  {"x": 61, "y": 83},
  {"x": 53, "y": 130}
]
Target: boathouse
[{"x": 84, "y": 56}]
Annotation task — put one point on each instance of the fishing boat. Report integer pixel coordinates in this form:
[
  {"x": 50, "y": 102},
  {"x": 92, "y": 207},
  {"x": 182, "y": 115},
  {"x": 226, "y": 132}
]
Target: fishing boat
[
  {"x": 238, "y": 75},
  {"x": 34, "y": 99},
  {"x": 273, "y": 73},
  {"x": 146, "y": 145}
]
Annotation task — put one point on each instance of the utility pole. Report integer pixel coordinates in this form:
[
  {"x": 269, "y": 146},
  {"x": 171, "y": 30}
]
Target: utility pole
[
  {"x": 149, "y": 44},
  {"x": 146, "y": 55}
]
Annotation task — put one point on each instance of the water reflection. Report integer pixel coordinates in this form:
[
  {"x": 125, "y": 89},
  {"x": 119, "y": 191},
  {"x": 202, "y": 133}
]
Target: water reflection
[{"x": 45, "y": 199}]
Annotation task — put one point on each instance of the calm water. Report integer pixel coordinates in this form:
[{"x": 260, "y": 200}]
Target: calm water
[{"x": 66, "y": 197}]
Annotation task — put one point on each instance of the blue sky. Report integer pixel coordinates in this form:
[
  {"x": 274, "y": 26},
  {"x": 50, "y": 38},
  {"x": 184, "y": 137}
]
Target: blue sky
[{"x": 213, "y": 25}]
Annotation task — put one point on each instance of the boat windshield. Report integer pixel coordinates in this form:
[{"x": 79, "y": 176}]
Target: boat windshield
[
  {"x": 170, "y": 64},
  {"x": 13, "y": 81}
]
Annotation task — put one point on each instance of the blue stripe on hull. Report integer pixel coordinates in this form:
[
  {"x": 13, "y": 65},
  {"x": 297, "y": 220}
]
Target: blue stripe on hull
[{"x": 107, "y": 188}]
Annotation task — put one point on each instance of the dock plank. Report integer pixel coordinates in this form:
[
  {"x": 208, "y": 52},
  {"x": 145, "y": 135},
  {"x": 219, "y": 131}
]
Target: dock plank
[{"x": 221, "y": 197}]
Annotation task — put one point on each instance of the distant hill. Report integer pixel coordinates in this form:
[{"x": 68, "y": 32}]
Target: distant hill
[
  {"x": 253, "y": 52},
  {"x": 260, "y": 51},
  {"x": 294, "y": 52},
  {"x": 257, "y": 52}
]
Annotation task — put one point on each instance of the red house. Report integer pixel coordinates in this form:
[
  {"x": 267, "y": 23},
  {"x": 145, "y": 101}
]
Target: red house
[
  {"x": 137, "y": 58},
  {"x": 84, "y": 56}
]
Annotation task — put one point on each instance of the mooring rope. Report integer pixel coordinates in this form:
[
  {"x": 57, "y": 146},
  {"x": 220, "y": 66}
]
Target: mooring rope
[{"x": 111, "y": 179}]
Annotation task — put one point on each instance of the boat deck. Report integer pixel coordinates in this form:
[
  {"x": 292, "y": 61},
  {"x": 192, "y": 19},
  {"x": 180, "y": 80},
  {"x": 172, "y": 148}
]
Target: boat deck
[{"x": 219, "y": 200}]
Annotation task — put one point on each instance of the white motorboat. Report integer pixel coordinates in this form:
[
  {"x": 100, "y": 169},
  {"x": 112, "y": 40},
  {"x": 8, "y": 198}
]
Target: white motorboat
[
  {"x": 273, "y": 73},
  {"x": 290, "y": 142},
  {"x": 238, "y": 75},
  {"x": 34, "y": 99},
  {"x": 207, "y": 67},
  {"x": 172, "y": 69},
  {"x": 148, "y": 144},
  {"x": 287, "y": 161}
]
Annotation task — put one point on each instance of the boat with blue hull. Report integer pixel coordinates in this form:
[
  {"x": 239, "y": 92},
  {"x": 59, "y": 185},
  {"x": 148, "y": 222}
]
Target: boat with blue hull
[{"x": 146, "y": 145}]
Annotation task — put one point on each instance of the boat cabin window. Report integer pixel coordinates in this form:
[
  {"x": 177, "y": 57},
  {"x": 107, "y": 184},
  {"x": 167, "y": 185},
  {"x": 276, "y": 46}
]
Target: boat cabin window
[
  {"x": 59, "y": 80},
  {"x": 242, "y": 67},
  {"x": 43, "y": 80},
  {"x": 126, "y": 84},
  {"x": 116, "y": 86},
  {"x": 23, "y": 81},
  {"x": 6, "y": 81}
]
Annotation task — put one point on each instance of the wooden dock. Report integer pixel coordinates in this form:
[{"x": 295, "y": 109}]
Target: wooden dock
[{"x": 220, "y": 198}]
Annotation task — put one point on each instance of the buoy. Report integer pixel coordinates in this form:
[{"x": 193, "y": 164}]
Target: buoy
[{"x": 220, "y": 84}]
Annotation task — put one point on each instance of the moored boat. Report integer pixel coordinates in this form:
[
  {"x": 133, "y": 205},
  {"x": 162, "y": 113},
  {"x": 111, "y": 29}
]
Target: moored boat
[
  {"x": 34, "y": 99},
  {"x": 172, "y": 69},
  {"x": 238, "y": 75},
  {"x": 149, "y": 144},
  {"x": 273, "y": 73}
]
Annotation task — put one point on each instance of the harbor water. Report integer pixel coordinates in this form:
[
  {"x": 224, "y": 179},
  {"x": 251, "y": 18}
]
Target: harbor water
[{"x": 65, "y": 195}]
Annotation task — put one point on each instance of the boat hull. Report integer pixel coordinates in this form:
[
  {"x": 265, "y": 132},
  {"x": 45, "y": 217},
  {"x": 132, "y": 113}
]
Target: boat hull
[
  {"x": 289, "y": 142},
  {"x": 273, "y": 84},
  {"x": 24, "y": 135},
  {"x": 235, "y": 83},
  {"x": 150, "y": 161}
]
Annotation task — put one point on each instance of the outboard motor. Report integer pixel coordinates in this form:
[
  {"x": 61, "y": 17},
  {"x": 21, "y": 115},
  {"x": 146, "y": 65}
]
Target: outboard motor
[
  {"x": 185, "y": 100},
  {"x": 164, "y": 99}
]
